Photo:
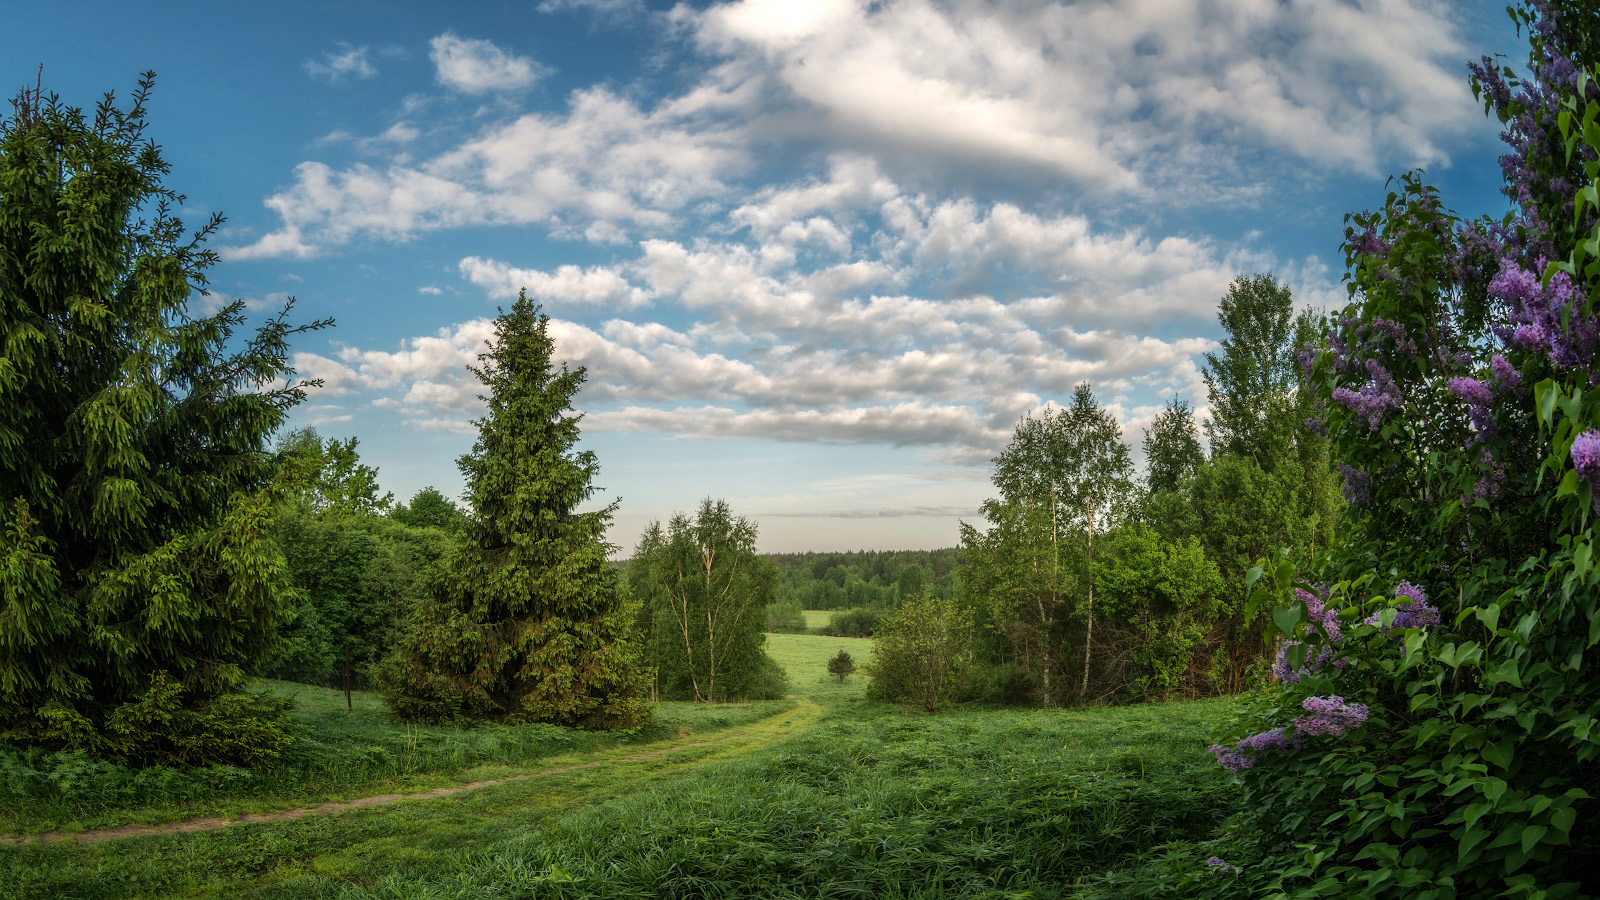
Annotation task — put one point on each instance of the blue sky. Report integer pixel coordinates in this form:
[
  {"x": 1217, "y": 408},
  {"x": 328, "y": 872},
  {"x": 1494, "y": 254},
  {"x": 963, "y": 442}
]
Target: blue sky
[{"x": 818, "y": 257}]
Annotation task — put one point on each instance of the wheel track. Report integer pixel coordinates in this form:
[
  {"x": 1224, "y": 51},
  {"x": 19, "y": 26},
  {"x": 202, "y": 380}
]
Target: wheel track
[{"x": 801, "y": 718}]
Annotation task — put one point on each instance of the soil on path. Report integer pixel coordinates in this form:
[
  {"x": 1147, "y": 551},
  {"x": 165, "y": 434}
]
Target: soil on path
[{"x": 215, "y": 823}]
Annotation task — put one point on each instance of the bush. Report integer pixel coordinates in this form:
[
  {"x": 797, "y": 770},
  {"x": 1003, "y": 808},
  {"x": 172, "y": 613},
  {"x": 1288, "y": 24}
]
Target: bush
[
  {"x": 923, "y": 653},
  {"x": 841, "y": 665},
  {"x": 786, "y": 617},
  {"x": 857, "y": 623},
  {"x": 1432, "y": 731}
]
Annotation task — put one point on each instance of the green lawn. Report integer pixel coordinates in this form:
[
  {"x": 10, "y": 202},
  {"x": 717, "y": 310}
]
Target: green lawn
[
  {"x": 816, "y": 618},
  {"x": 824, "y": 795},
  {"x": 805, "y": 657}
]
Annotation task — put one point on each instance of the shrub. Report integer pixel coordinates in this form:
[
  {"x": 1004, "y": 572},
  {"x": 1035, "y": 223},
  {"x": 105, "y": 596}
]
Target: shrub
[
  {"x": 841, "y": 665},
  {"x": 923, "y": 653}
]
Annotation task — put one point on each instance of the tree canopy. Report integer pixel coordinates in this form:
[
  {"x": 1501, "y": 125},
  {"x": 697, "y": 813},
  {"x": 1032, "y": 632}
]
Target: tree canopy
[{"x": 139, "y": 583}]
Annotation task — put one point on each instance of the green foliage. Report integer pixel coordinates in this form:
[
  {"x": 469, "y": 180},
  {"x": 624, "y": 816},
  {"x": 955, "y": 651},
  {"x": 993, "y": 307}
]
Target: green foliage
[
  {"x": 1251, "y": 381},
  {"x": 1065, "y": 479},
  {"x": 703, "y": 594},
  {"x": 858, "y": 623},
  {"x": 139, "y": 582},
  {"x": 865, "y": 579},
  {"x": 357, "y": 577},
  {"x": 1162, "y": 603},
  {"x": 337, "y": 483},
  {"x": 786, "y": 617},
  {"x": 430, "y": 509},
  {"x": 1172, "y": 449},
  {"x": 841, "y": 665},
  {"x": 923, "y": 653},
  {"x": 524, "y": 620}
]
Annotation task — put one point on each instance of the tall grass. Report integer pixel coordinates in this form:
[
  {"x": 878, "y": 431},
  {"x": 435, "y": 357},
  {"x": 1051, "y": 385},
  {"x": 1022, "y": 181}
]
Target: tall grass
[
  {"x": 981, "y": 803},
  {"x": 341, "y": 752}
]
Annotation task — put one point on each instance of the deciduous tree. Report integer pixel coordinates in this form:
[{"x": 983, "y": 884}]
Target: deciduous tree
[{"x": 704, "y": 593}]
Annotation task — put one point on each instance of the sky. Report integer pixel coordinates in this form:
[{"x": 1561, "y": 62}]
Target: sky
[{"x": 818, "y": 258}]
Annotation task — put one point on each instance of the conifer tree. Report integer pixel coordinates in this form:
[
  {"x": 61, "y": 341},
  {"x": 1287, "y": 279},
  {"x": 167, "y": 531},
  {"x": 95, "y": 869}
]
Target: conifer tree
[
  {"x": 525, "y": 621},
  {"x": 137, "y": 585}
]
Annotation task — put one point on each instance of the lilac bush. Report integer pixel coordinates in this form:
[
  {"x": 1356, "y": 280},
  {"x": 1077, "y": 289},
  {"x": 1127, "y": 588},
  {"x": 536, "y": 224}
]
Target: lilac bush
[{"x": 1443, "y": 748}]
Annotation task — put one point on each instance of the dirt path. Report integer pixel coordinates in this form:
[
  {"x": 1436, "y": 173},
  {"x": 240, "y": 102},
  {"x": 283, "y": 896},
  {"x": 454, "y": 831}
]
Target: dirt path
[{"x": 215, "y": 823}]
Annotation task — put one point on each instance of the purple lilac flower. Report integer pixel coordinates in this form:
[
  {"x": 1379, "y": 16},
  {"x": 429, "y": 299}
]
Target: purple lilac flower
[
  {"x": 1506, "y": 376},
  {"x": 1357, "y": 487},
  {"x": 1330, "y": 716},
  {"x": 1220, "y": 866},
  {"x": 1231, "y": 758},
  {"x": 1549, "y": 317},
  {"x": 1472, "y": 390},
  {"x": 1414, "y": 613},
  {"x": 1586, "y": 456},
  {"x": 1376, "y": 399}
]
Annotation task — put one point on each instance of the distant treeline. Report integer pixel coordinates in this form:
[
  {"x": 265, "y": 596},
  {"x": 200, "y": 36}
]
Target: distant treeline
[{"x": 863, "y": 579}]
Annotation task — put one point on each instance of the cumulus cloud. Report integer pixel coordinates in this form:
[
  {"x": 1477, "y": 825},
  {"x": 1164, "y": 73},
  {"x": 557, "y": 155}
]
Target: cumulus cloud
[
  {"x": 1108, "y": 94},
  {"x": 567, "y": 285},
  {"x": 346, "y": 62},
  {"x": 604, "y": 164},
  {"x": 477, "y": 67}
]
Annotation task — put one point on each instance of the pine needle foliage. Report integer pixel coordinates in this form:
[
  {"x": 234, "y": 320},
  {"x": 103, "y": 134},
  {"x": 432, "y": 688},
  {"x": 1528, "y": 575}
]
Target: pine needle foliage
[
  {"x": 137, "y": 587},
  {"x": 525, "y": 621}
]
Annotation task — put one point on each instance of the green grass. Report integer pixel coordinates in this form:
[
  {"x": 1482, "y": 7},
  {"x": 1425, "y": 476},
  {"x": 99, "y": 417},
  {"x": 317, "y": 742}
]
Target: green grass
[
  {"x": 805, "y": 657},
  {"x": 826, "y": 795},
  {"x": 817, "y": 618},
  {"x": 343, "y": 753}
]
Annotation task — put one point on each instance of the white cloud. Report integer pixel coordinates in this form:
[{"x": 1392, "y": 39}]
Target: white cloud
[
  {"x": 347, "y": 62},
  {"x": 1109, "y": 94},
  {"x": 476, "y": 67},
  {"x": 567, "y": 285},
  {"x": 606, "y": 164},
  {"x": 431, "y": 290}
]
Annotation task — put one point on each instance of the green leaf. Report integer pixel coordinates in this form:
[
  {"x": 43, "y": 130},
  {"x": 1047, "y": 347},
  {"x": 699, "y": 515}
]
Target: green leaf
[
  {"x": 1505, "y": 673},
  {"x": 1531, "y": 835},
  {"x": 1499, "y": 753},
  {"x": 1287, "y": 618},
  {"x": 1544, "y": 399}
]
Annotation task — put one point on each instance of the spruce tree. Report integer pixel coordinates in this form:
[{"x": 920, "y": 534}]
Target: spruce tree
[
  {"x": 138, "y": 588},
  {"x": 525, "y": 620}
]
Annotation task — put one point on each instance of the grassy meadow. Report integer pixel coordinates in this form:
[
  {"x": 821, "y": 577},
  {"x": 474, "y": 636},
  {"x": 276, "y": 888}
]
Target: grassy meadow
[{"x": 824, "y": 795}]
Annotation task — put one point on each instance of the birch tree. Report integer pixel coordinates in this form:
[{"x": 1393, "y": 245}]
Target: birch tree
[{"x": 705, "y": 594}]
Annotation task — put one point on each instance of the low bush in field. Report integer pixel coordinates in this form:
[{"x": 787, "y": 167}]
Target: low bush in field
[
  {"x": 851, "y": 623},
  {"x": 973, "y": 803}
]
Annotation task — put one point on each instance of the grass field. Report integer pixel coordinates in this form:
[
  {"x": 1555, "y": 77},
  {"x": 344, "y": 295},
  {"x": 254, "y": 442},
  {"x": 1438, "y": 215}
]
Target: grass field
[
  {"x": 805, "y": 657},
  {"x": 816, "y": 618},
  {"x": 826, "y": 795}
]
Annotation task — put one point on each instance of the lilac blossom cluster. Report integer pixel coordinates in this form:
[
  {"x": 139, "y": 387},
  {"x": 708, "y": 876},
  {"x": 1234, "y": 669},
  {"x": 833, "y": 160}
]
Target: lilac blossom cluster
[
  {"x": 1357, "y": 487},
  {"x": 1220, "y": 866},
  {"x": 1548, "y": 317},
  {"x": 1244, "y": 754},
  {"x": 1379, "y": 397},
  {"x": 1586, "y": 460},
  {"x": 1413, "y": 613},
  {"x": 1330, "y": 716},
  {"x": 1322, "y": 621},
  {"x": 1506, "y": 377}
]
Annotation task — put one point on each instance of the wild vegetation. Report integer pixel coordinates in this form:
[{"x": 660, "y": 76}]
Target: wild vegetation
[{"x": 1414, "y": 651}]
